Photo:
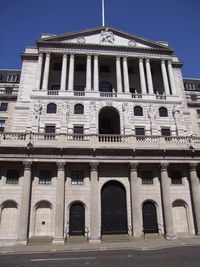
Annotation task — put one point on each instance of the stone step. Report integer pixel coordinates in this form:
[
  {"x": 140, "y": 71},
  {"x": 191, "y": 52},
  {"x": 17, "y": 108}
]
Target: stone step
[
  {"x": 42, "y": 240},
  {"x": 77, "y": 240},
  {"x": 116, "y": 238},
  {"x": 153, "y": 236}
]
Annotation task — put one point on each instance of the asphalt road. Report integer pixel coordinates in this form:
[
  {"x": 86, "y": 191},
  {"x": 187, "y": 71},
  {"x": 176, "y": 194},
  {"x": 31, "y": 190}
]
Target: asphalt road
[{"x": 172, "y": 257}]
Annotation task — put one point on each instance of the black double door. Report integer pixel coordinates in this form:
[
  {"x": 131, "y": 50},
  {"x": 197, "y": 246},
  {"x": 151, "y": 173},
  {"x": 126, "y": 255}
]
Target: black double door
[
  {"x": 150, "y": 224},
  {"x": 113, "y": 209},
  {"x": 77, "y": 219}
]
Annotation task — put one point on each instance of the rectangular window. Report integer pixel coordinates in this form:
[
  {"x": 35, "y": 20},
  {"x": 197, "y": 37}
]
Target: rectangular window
[
  {"x": 176, "y": 177},
  {"x": 2, "y": 125},
  {"x": 11, "y": 78},
  {"x": 139, "y": 131},
  {"x": 77, "y": 177},
  {"x": 3, "y": 106},
  {"x": 198, "y": 113},
  {"x": 78, "y": 132},
  {"x": 147, "y": 177},
  {"x": 50, "y": 129},
  {"x": 45, "y": 176},
  {"x": 104, "y": 68},
  {"x": 57, "y": 66},
  {"x": 80, "y": 67},
  {"x": 12, "y": 176},
  {"x": 165, "y": 132}
]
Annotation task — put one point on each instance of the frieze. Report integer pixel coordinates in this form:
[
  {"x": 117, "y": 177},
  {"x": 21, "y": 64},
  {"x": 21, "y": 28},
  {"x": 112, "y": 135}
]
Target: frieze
[
  {"x": 60, "y": 165},
  {"x": 27, "y": 165},
  {"x": 163, "y": 166},
  {"x": 94, "y": 165},
  {"x": 193, "y": 166}
]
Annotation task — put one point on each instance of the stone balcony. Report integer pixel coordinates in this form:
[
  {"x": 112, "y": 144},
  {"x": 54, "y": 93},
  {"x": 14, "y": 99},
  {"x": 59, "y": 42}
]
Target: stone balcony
[
  {"x": 93, "y": 95},
  {"x": 94, "y": 141}
]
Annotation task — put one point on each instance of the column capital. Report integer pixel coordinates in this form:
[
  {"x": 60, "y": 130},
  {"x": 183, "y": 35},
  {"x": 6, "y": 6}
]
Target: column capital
[
  {"x": 72, "y": 55},
  {"x": 40, "y": 54},
  {"x": 125, "y": 58},
  {"x": 141, "y": 59},
  {"x": 89, "y": 55},
  {"x": 60, "y": 165},
  {"x": 163, "y": 166},
  {"x": 96, "y": 56},
  {"x": 133, "y": 166},
  {"x": 193, "y": 166},
  {"x": 65, "y": 55},
  {"x": 48, "y": 54},
  {"x": 147, "y": 59},
  {"x": 118, "y": 57},
  {"x": 27, "y": 165},
  {"x": 94, "y": 165}
]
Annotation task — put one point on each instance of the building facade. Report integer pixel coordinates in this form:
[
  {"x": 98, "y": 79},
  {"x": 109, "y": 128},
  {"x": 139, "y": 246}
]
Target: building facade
[{"x": 103, "y": 140}]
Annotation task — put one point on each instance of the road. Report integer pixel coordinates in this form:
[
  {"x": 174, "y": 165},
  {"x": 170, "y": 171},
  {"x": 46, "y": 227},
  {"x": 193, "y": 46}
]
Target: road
[{"x": 172, "y": 257}]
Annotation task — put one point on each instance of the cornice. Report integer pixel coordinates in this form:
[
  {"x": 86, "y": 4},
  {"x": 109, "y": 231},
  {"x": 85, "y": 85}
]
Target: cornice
[{"x": 29, "y": 56}]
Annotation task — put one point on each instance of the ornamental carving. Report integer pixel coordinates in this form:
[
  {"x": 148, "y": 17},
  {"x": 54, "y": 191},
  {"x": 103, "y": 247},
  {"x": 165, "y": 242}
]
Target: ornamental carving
[
  {"x": 27, "y": 165},
  {"x": 61, "y": 166},
  {"x": 94, "y": 165},
  {"x": 107, "y": 36},
  {"x": 81, "y": 40},
  {"x": 164, "y": 166},
  {"x": 132, "y": 43},
  {"x": 133, "y": 166},
  {"x": 193, "y": 166}
]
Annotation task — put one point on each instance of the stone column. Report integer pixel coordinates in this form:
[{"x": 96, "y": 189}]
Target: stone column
[
  {"x": 149, "y": 76},
  {"x": 126, "y": 77},
  {"x": 60, "y": 204},
  {"x": 142, "y": 77},
  {"x": 94, "y": 203},
  {"x": 119, "y": 75},
  {"x": 164, "y": 76},
  {"x": 135, "y": 207},
  {"x": 171, "y": 77},
  {"x": 39, "y": 71},
  {"x": 71, "y": 73},
  {"x": 166, "y": 200},
  {"x": 46, "y": 72},
  {"x": 96, "y": 74},
  {"x": 195, "y": 190},
  {"x": 88, "y": 73},
  {"x": 64, "y": 73},
  {"x": 24, "y": 212}
]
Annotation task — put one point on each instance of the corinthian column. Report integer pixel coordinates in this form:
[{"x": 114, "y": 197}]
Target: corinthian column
[
  {"x": 96, "y": 74},
  {"x": 71, "y": 73},
  {"x": 64, "y": 73},
  {"x": 39, "y": 71},
  {"x": 166, "y": 200},
  {"x": 119, "y": 75},
  {"x": 171, "y": 77},
  {"x": 135, "y": 207},
  {"x": 88, "y": 73},
  {"x": 25, "y": 205},
  {"x": 195, "y": 190},
  {"x": 60, "y": 204},
  {"x": 149, "y": 76},
  {"x": 164, "y": 76},
  {"x": 46, "y": 72},
  {"x": 142, "y": 76},
  {"x": 126, "y": 78},
  {"x": 94, "y": 204}
]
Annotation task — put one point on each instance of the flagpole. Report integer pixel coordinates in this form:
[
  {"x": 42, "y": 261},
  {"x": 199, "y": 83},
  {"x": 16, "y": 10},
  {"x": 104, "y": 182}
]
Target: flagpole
[{"x": 103, "y": 14}]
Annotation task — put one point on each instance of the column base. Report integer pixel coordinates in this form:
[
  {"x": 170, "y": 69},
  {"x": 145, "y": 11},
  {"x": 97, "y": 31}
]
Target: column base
[
  {"x": 22, "y": 241},
  {"x": 58, "y": 241},
  {"x": 94, "y": 240},
  {"x": 170, "y": 236}
]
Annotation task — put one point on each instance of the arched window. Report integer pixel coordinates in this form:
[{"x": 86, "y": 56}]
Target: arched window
[
  {"x": 51, "y": 108},
  {"x": 78, "y": 109},
  {"x": 138, "y": 111},
  {"x": 163, "y": 112}
]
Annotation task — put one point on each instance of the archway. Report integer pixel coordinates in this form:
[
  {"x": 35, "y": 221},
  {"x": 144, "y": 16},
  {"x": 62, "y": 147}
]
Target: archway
[
  {"x": 77, "y": 219},
  {"x": 180, "y": 217},
  {"x": 113, "y": 209},
  {"x": 43, "y": 219},
  {"x": 109, "y": 121},
  {"x": 9, "y": 220},
  {"x": 149, "y": 214}
]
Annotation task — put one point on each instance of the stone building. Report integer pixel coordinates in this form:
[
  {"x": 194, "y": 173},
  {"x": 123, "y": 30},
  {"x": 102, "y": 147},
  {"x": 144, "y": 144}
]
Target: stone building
[{"x": 103, "y": 141}]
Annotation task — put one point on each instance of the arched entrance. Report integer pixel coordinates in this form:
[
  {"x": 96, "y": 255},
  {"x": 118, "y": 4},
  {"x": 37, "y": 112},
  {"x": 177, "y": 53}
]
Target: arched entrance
[
  {"x": 149, "y": 214},
  {"x": 180, "y": 217},
  {"x": 113, "y": 209},
  {"x": 9, "y": 220},
  {"x": 77, "y": 219},
  {"x": 109, "y": 121},
  {"x": 43, "y": 219}
]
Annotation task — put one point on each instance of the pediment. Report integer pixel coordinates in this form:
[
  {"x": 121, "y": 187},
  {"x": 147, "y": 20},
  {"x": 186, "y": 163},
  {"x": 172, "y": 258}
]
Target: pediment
[{"x": 105, "y": 36}]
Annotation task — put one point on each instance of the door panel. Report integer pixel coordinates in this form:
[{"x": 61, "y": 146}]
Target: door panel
[
  {"x": 77, "y": 219},
  {"x": 150, "y": 224}
]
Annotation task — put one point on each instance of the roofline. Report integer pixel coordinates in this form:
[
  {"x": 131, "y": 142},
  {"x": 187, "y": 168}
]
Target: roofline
[
  {"x": 12, "y": 69},
  {"x": 191, "y": 78},
  {"x": 111, "y": 28}
]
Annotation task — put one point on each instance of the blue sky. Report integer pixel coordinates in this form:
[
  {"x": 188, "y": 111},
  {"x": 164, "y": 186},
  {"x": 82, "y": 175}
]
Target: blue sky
[{"x": 176, "y": 21}]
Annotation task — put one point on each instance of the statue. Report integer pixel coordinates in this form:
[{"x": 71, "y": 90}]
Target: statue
[
  {"x": 152, "y": 116},
  {"x": 107, "y": 36},
  {"x": 37, "y": 112},
  {"x": 176, "y": 113},
  {"x": 93, "y": 111}
]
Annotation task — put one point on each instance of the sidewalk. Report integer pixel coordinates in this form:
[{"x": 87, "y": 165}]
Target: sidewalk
[{"x": 140, "y": 244}]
